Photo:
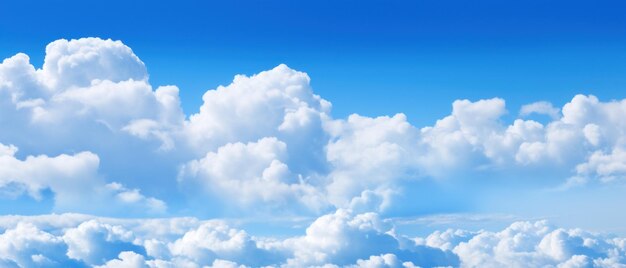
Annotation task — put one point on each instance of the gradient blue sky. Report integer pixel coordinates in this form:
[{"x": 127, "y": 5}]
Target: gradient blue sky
[{"x": 367, "y": 57}]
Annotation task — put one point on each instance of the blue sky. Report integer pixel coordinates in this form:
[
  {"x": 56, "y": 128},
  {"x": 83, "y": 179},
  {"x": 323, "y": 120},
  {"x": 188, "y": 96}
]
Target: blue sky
[
  {"x": 283, "y": 133},
  {"x": 415, "y": 57}
]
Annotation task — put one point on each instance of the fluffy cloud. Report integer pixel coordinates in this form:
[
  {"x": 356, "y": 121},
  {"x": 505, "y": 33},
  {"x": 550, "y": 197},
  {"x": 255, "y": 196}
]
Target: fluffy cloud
[
  {"x": 342, "y": 238},
  {"x": 368, "y": 155},
  {"x": 69, "y": 176},
  {"x": 27, "y": 246},
  {"x": 338, "y": 239},
  {"x": 79, "y": 62},
  {"x": 215, "y": 240},
  {"x": 126, "y": 259},
  {"x": 382, "y": 261},
  {"x": 101, "y": 79},
  {"x": 94, "y": 132},
  {"x": 273, "y": 124},
  {"x": 605, "y": 166},
  {"x": 94, "y": 242},
  {"x": 276, "y": 103},
  {"x": 88, "y": 91},
  {"x": 539, "y": 245},
  {"x": 265, "y": 177},
  {"x": 73, "y": 179},
  {"x": 588, "y": 138}
]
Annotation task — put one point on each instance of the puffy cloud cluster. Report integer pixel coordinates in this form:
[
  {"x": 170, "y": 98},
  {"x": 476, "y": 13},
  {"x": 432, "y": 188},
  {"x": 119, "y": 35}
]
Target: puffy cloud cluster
[
  {"x": 538, "y": 245},
  {"x": 339, "y": 239},
  {"x": 88, "y": 93},
  {"x": 265, "y": 140},
  {"x": 270, "y": 123},
  {"x": 93, "y": 79},
  {"x": 588, "y": 137},
  {"x": 368, "y": 156},
  {"x": 265, "y": 177}
]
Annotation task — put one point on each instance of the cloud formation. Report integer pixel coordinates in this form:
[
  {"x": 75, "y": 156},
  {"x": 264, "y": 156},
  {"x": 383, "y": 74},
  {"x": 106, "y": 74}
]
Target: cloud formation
[
  {"x": 267, "y": 139},
  {"x": 338, "y": 239},
  {"x": 89, "y": 133},
  {"x": 73, "y": 179}
]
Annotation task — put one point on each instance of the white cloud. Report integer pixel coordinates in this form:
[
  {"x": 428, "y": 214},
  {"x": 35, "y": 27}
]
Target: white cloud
[
  {"x": 134, "y": 197},
  {"x": 85, "y": 85},
  {"x": 69, "y": 176},
  {"x": 79, "y": 62},
  {"x": 27, "y": 246},
  {"x": 370, "y": 154},
  {"x": 7, "y": 150},
  {"x": 333, "y": 240},
  {"x": 273, "y": 103},
  {"x": 126, "y": 259},
  {"x": 605, "y": 166},
  {"x": 93, "y": 130},
  {"x": 540, "y": 107},
  {"x": 214, "y": 240},
  {"x": 225, "y": 264},
  {"x": 269, "y": 131},
  {"x": 265, "y": 177},
  {"x": 342, "y": 238},
  {"x": 95, "y": 243},
  {"x": 73, "y": 179},
  {"x": 462, "y": 139},
  {"x": 382, "y": 261},
  {"x": 538, "y": 245},
  {"x": 446, "y": 240}
]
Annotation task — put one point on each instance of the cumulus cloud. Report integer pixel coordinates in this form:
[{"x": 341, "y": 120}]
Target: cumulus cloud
[
  {"x": 273, "y": 124},
  {"x": 588, "y": 138},
  {"x": 67, "y": 175},
  {"x": 343, "y": 237},
  {"x": 79, "y": 62},
  {"x": 126, "y": 259},
  {"x": 90, "y": 128},
  {"x": 538, "y": 244},
  {"x": 276, "y": 103},
  {"x": 339, "y": 239},
  {"x": 90, "y": 96},
  {"x": 215, "y": 240},
  {"x": 27, "y": 246},
  {"x": 73, "y": 179},
  {"x": 265, "y": 177},
  {"x": 89, "y": 86},
  {"x": 94, "y": 242},
  {"x": 382, "y": 261},
  {"x": 370, "y": 154},
  {"x": 605, "y": 166}
]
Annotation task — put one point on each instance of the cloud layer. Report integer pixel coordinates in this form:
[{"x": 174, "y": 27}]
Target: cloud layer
[{"x": 342, "y": 238}]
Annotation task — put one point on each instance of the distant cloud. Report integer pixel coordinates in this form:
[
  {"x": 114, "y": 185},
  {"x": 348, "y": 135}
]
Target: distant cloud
[
  {"x": 540, "y": 107},
  {"x": 333, "y": 240}
]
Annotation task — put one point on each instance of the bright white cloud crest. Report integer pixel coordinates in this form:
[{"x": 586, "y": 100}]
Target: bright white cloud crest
[{"x": 94, "y": 134}]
